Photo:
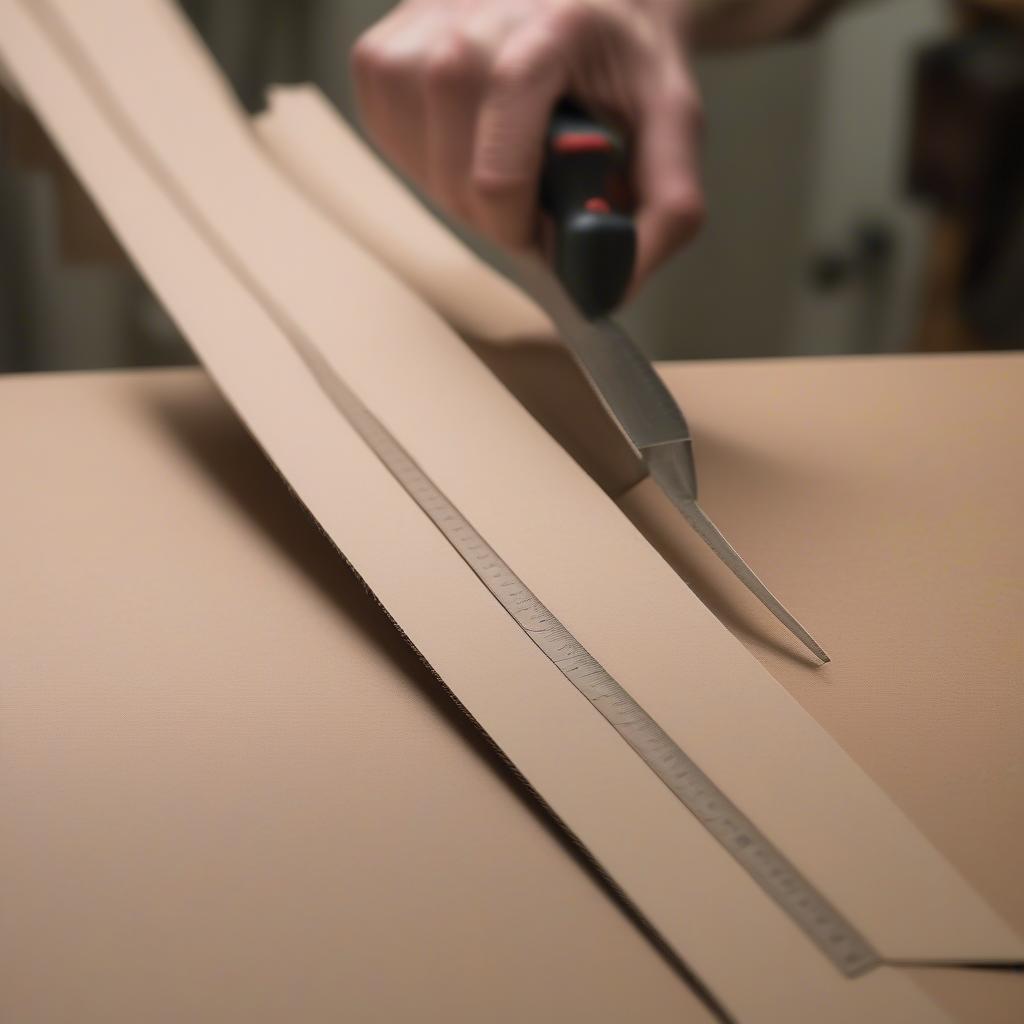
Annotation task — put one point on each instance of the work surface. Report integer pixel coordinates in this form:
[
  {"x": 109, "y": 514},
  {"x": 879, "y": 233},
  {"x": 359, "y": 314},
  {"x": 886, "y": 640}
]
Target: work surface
[{"x": 232, "y": 793}]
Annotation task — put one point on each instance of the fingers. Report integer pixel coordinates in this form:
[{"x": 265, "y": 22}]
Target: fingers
[
  {"x": 666, "y": 174},
  {"x": 527, "y": 79},
  {"x": 462, "y": 106},
  {"x": 458, "y": 95},
  {"x": 386, "y": 65},
  {"x": 453, "y": 86}
]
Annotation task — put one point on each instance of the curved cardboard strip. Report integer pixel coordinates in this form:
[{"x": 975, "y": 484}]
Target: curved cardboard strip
[
  {"x": 305, "y": 134},
  {"x": 612, "y": 806}
]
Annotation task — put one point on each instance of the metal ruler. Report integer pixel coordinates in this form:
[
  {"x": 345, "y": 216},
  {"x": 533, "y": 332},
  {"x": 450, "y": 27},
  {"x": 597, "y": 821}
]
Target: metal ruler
[
  {"x": 848, "y": 950},
  {"x": 751, "y": 849}
]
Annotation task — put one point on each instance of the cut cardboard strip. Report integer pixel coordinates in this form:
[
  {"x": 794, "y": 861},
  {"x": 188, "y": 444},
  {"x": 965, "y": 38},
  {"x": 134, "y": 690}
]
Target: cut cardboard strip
[
  {"x": 304, "y": 133},
  {"x": 308, "y": 137},
  {"x": 177, "y": 129},
  {"x": 910, "y": 681}
]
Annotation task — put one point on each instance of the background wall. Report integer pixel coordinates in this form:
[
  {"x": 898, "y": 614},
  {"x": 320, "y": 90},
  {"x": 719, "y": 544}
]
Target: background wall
[
  {"x": 804, "y": 161},
  {"x": 806, "y": 151}
]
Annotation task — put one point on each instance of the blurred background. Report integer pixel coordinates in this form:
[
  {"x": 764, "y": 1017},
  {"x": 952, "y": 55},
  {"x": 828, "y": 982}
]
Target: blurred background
[{"x": 865, "y": 185}]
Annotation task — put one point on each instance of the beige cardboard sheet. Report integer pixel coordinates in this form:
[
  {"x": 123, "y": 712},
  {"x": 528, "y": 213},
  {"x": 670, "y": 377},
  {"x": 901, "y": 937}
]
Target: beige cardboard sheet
[
  {"x": 907, "y": 517},
  {"x": 205, "y": 819},
  {"x": 190, "y": 827},
  {"x": 548, "y": 520}
]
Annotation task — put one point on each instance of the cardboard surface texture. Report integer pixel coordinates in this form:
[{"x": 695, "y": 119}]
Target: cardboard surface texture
[{"x": 243, "y": 261}]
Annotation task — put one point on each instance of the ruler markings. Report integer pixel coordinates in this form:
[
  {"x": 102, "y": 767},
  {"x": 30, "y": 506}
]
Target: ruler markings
[{"x": 781, "y": 880}]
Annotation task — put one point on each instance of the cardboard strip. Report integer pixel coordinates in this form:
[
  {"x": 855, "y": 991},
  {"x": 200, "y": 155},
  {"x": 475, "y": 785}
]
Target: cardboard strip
[
  {"x": 301, "y": 129},
  {"x": 308, "y": 137},
  {"x": 305, "y": 135},
  {"x": 531, "y": 502}
]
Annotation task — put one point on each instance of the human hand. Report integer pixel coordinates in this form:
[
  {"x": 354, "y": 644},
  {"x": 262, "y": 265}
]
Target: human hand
[{"x": 458, "y": 95}]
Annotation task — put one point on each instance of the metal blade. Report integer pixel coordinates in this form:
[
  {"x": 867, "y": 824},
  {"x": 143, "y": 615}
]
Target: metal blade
[
  {"x": 671, "y": 467},
  {"x": 619, "y": 372},
  {"x": 646, "y": 412}
]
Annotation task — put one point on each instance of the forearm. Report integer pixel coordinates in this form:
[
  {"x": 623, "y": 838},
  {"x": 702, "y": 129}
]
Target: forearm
[{"x": 721, "y": 24}]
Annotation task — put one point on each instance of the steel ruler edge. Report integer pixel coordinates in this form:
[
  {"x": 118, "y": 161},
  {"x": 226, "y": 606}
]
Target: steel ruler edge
[{"x": 832, "y": 933}]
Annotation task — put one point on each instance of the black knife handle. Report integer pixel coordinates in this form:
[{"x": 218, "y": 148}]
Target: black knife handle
[{"x": 584, "y": 189}]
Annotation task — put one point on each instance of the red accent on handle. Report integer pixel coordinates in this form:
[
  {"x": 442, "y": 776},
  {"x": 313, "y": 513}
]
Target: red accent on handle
[
  {"x": 583, "y": 142},
  {"x": 597, "y": 204}
]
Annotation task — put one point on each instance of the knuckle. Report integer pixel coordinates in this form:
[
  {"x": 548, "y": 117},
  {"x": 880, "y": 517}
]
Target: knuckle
[
  {"x": 510, "y": 74},
  {"x": 523, "y": 64},
  {"x": 682, "y": 98},
  {"x": 519, "y": 71},
  {"x": 682, "y": 209},
  {"x": 365, "y": 56},
  {"x": 375, "y": 60},
  {"x": 455, "y": 64},
  {"x": 502, "y": 197},
  {"x": 569, "y": 18},
  {"x": 493, "y": 187}
]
